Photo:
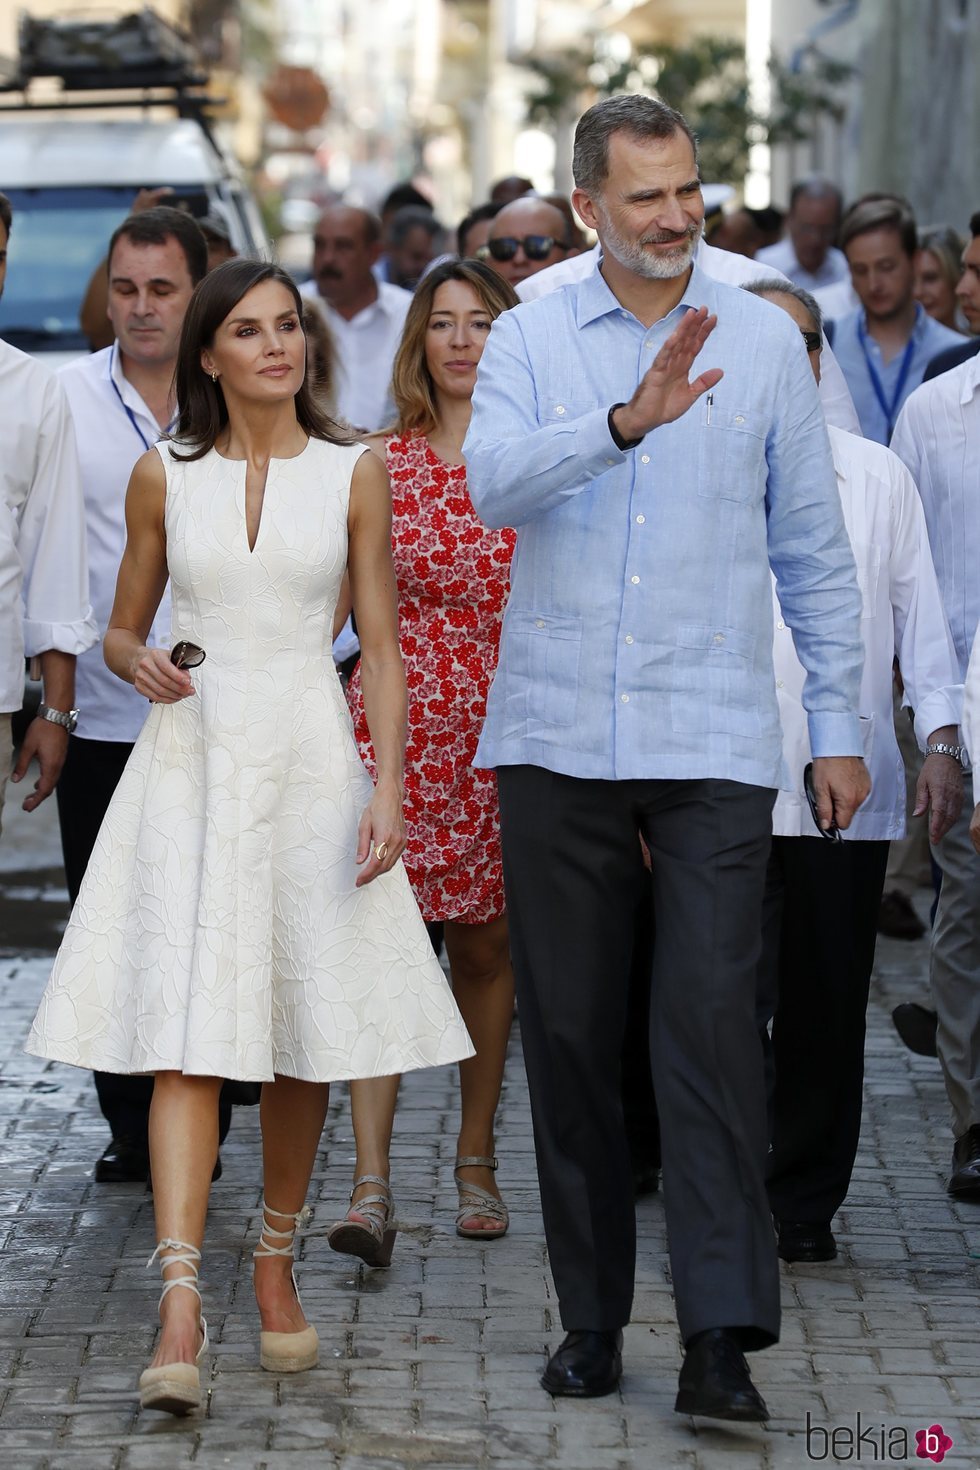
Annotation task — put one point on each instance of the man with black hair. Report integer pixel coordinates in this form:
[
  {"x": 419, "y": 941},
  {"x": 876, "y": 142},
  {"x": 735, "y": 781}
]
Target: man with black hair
[
  {"x": 412, "y": 239},
  {"x": 121, "y": 401},
  {"x": 473, "y": 230},
  {"x": 968, "y": 299}
]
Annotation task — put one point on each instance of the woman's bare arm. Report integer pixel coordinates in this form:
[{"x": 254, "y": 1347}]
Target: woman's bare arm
[
  {"x": 374, "y": 597},
  {"x": 139, "y": 588}
]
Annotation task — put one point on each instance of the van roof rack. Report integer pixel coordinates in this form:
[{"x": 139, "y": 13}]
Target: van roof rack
[{"x": 135, "y": 60}]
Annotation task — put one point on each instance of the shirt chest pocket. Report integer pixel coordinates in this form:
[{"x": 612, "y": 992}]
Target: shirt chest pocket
[
  {"x": 731, "y": 453},
  {"x": 867, "y": 559}
]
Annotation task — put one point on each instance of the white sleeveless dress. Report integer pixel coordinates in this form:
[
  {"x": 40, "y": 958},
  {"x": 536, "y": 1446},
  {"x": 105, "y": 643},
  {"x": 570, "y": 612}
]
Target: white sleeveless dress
[{"x": 218, "y": 931}]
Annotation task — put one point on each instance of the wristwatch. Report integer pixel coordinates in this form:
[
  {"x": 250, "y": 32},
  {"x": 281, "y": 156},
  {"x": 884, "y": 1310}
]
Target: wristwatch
[
  {"x": 958, "y": 752},
  {"x": 66, "y": 718}
]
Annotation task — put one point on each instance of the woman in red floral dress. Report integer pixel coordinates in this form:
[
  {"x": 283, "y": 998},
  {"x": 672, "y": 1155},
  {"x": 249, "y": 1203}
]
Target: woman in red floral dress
[{"x": 453, "y": 579}]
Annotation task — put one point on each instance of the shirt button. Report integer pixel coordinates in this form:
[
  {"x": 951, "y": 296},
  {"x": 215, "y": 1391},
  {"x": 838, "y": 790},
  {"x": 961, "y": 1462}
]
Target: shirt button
[
  {"x": 780, "y": 624},
  {"x": 624, "y": 699},
  {"x": 629, "y": 638},
  {"x": 610, "y": 461},
  {"x": 779, "y": 684},
  {"x": 718, "y": 638},
  {"x": 648, "y": 343},
  {"x": 539, "y": 623},
  {"x": 739, "y": 418},
  {"x": 641, "y": 520},
  {"x": 559, "y": 409},
  {"x": 644, "y": 459},
  {"x": 635, "y": 581}
]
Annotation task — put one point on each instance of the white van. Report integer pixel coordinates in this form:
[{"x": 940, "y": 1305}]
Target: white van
[{"x": 71, "y": 177}]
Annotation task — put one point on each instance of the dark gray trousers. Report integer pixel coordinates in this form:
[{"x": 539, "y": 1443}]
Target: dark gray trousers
[{"x": 570, "y": 871}]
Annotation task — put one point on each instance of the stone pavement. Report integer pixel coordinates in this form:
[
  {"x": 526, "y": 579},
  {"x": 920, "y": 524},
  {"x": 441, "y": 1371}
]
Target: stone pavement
[{"x": 435, "y": 1362}]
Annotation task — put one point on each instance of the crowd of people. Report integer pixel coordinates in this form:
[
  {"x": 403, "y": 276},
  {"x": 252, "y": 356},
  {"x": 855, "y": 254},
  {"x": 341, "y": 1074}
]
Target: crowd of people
[{"x": 434, "y": 602}]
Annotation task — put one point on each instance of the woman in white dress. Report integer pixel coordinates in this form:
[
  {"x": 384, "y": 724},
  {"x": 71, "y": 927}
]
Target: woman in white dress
[{"x": 245, "y": 913}]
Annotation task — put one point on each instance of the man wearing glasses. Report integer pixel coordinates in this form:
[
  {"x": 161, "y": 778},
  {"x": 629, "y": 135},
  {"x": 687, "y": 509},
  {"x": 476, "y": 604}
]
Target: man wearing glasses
[{"x": 526, "y": 237}]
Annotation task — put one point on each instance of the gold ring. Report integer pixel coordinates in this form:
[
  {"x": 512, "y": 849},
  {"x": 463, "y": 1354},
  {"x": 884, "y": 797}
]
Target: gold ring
[{"x": 380, "y": 851}]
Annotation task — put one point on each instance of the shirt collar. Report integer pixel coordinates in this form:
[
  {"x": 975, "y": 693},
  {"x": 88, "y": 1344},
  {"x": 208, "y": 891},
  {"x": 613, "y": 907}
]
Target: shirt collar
[
  {"x": 129, "y": 395},
  {"x": 594, "y": 299},
  {"x": 971, "y": 378}
]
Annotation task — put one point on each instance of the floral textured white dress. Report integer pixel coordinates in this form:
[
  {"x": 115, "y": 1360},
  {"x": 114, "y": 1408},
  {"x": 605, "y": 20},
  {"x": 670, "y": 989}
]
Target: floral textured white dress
[{"x": 218, "y": 931}]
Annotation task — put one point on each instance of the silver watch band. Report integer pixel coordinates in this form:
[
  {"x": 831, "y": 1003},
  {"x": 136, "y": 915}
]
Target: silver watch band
[
  {"x": 68, "y": 719},
  {"x": 939, "y": 747}
]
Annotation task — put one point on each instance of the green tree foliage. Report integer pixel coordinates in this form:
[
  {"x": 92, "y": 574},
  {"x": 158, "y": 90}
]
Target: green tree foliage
[{"x": 707, "y": 81}]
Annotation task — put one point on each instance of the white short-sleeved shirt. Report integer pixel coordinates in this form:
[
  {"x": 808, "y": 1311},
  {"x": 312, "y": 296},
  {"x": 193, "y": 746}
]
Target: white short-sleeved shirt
[
  {"x": 110, "y": 440},
  {"x": 44, "y": 596},
  {"x": 366, "y": 347}
]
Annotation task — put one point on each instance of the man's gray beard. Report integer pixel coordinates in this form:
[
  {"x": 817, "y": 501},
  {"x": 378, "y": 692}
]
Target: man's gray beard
[{"x": 666, "y": 266}]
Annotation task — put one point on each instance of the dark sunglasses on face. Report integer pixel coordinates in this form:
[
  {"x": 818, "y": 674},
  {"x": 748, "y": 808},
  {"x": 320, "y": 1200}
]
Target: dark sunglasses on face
[
  {"x": 813, "y": 340},
  {"x": 186, "y": 655},
  {"x": 535, "y": 247},
  {"x": 833, "y": 831}
]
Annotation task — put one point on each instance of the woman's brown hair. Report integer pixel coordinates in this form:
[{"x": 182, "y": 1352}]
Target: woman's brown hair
[
  {"x": 411, "y": 382},
  {"x": 201, "y": 403}
]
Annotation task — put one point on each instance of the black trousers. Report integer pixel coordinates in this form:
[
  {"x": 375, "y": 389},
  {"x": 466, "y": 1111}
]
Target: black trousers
[
  {"x": 570, "y": 871},
  {"x": 819, "y": 932},
  {"x": 89, "y": 777}
]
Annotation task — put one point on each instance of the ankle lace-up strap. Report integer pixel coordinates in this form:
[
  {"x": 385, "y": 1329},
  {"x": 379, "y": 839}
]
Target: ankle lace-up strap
[
  {"x": 184, "y": 1255},
  {"x": 265, "y": 1247}
]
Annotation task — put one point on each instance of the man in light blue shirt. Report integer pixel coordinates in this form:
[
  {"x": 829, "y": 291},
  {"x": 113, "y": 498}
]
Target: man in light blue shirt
[
  {"x": 635, "y": 692},
  {"x": 885, "y": 345}
]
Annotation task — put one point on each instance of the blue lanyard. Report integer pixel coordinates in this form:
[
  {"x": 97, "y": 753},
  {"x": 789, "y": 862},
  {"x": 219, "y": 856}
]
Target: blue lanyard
[
  {"x": 129, "y": 412},
  {"x": 890, "y": 410}
]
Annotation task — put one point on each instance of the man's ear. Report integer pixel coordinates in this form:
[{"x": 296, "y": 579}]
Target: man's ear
[{"x": 585, "y": 209}]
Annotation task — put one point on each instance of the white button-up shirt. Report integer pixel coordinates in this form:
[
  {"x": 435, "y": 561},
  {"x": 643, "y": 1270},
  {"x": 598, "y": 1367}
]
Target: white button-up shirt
[
  {"x": 782, "y": 257},
  {"x": 110, "y": 441},
  {"x": 366, "y": 347},
  {"x": 902, "y": 615},
  {"x": 938, "y": 437},
  {"x": 44, "y": 597},
  {"x": 731, "y": 270}
]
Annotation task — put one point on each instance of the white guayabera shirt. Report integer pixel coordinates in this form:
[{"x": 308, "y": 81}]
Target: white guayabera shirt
[
  {"x": 44, "y": 596},
  {"x": 901, "y": 615}
]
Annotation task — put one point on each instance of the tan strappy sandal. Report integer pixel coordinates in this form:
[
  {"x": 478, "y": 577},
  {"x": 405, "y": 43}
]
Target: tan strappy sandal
[
  {"x": 175, "y": 1388},
  {"x": 477, "y": 1202},
  {"x": 373, "y": 1238},
  {"x": 285, "y": 1352}
]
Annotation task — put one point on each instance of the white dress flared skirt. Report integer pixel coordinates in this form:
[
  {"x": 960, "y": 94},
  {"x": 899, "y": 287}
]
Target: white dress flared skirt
[{"x": 218, "y": 930}]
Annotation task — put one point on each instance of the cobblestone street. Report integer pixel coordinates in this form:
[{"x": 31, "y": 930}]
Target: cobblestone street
[{"x": 435, "y": 1362}]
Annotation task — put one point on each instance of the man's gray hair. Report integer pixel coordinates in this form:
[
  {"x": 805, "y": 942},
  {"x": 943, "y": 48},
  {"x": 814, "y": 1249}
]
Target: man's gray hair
[
  {"x": 815, "y": 186},
  {"x": 639, "y": 116},
  {"x": 777, "y": 287}
]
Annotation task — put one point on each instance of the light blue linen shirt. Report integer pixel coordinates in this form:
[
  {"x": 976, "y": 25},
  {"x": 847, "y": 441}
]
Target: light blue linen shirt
[
  {"x": 928, "y": 338},
  {"x": 637, "y": 641}
]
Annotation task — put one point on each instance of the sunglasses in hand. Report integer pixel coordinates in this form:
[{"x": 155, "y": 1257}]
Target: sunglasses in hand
[
  {"x": 186, "y": 655},
  {"x": 833, "y": 831},
  {"x": 535, "y": 247}
]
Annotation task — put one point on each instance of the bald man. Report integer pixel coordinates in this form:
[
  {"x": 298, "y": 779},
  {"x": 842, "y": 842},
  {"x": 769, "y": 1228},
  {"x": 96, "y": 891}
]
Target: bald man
[
  {"x": 366, "y": 316},
  {"x": 527, "y": 236}
]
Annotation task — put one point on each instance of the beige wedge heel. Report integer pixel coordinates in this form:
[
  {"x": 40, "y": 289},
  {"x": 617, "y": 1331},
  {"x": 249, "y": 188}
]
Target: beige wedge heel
[
  {"x": 285, "y": 1352},
  {"x": 175, "y": 1388}
]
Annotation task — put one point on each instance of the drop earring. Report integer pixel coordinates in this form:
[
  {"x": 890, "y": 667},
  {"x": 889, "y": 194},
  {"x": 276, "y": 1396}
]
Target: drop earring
[{"x": 214, "y": 377}]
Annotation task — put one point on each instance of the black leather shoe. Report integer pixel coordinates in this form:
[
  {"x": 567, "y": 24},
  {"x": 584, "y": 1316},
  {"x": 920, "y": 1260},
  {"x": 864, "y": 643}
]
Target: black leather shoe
[
  {"x": 964, "y": 1182},
  {"x": 715, "y": 1382},
  {"x": 897, "y": 918},
  {"x": 123, "y": 1162},
  {"x": 917, "y": 1027},
  {"x": 802, "y": 1240},
  {"x": 586, "y": 1366}
]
